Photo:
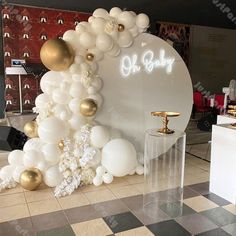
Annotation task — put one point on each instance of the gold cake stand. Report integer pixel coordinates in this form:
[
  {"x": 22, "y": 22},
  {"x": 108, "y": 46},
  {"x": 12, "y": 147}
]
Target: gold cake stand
[{"x": 165, "y": 115}]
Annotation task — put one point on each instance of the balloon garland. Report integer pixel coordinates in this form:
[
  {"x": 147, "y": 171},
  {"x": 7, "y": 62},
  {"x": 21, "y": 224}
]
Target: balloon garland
[{"x": 67, "y": 149}]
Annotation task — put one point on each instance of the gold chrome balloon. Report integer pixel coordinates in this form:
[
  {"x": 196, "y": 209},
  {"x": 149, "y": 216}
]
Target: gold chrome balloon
[
  {"x": 57, "y": 55},
  {"x": 121, "y": 27},
  {"x": 31, "y": 178},
  {"x": 88, "y": 107},
  {"x": 31, "y": 129},
  {"x": 61, "y": 145},
  {"x": 90, "y": 57}
]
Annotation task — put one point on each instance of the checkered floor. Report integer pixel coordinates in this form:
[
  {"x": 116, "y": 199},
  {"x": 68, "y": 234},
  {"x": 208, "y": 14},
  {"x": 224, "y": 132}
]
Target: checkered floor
[{"x": 202, "y": 213}]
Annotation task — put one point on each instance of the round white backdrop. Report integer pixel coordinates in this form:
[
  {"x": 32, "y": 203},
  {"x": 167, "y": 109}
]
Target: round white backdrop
[{"x": 148, "y": 76}]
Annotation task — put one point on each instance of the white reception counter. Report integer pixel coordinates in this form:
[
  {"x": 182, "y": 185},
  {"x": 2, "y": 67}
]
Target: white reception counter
[{"x": 223, "y": 160}]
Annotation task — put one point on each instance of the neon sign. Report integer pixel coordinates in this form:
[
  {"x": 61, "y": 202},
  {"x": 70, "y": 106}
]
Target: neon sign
[{"x": 131, "y": 65}]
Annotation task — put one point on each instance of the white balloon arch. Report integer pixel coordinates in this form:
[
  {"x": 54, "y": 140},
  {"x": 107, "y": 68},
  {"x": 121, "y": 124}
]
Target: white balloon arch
[{"x": 90, "y": 153}]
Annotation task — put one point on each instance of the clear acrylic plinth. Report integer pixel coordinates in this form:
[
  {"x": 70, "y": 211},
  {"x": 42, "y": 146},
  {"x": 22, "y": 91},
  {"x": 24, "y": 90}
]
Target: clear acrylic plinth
[{"x": 164, "y": 160}]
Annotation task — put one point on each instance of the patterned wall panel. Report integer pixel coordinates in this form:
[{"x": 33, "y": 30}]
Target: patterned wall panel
[{"x": 25, "y": 29}]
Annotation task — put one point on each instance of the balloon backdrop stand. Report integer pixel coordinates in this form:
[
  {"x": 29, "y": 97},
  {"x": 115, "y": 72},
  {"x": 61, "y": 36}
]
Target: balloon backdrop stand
[
  {"x": 163, "y": 170},
  {"x": 67, "y": 147}
]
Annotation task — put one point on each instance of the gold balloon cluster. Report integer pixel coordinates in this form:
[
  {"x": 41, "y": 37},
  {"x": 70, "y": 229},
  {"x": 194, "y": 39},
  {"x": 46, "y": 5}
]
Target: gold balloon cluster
[
  {"x": 88, "y": 107},
  {"x": 31, "y": 129},
  {"x": 57, "y": 55},
  {"x": 31, "y": 178}
]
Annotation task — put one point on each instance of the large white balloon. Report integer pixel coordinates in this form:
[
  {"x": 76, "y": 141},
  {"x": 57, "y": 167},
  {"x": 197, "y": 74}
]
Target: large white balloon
[
  {"x": 53, "y": 176},
  {"x": 71, "y": 36},
  {"x": 80, "y": 28},
  {"x": 119, "y": 157},
  {"x": 6, "y": 172},
  {"x": 104, "y": 42},
  {"x": 52, "y": 130},
  {"x": 33, "y": 143},
  {"x": 100, "y": 135},
  {"x": 52, "y": 153},
  {"x": 15, "y": 158},
  {"x": 32, "y": 158}
]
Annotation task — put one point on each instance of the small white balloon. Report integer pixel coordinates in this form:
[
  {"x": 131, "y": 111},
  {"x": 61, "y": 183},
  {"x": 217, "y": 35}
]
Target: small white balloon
[
  {"x": 77, "y": 90},
  {"x": 52, "y": 130},
  {"x": 80, "y": 28},
  {"x": 134, "y": 31},
  {"x": 17, "y": 172},
  {"x": 104, "y": 42},
  {"x": 100, "y": 12},
  {"x": 99, "y": 136},
  {"x": 125, "y": 39},
  {"x": 100, "y": 171},
  {"x": 15, "y": 158},
  {"x": 87, "y": 40},
  {"x": 97, "y": 180},
  {"x": 77, "y": 121},
  {"x": 142, "y": 21},
  {"x": 139, "y": 170},
  {"x": 42, "y": 101},
  {"x": 115, "y": 51},
  {"x": 62, "y": 112},
  {"x": 33, "y": 143},
  {"x": 127, "y": 19},
  {"x": 97, "y": 98},
  {"x": 74, "y": 68},
  {"x": 60, "y": 97},
  {"x": 32, "y": 158},
  {"x": 71, "y": 37},
  {"x": 51, "y": 153},
  {"x": 74, "y": 105},
  {"x": 91, "y": 18},
  {"x": 53, "y": 176},
  {"x": 43, "y": 166},
  {"x": 6, "y": 172},
  {"x": 115, "y": 12},
  {"x": 91, "y": 90},
  {"x": 98, "y": 54},
  {"x": 107, "y": 178},
  {"x": 98, "y": 25},
  {"x": 97, "y": 83}
]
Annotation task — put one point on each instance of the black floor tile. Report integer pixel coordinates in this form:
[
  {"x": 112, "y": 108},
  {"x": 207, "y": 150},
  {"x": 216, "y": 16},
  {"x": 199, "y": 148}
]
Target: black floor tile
[
  {"x": 122, "y": 222},
  {"x": 168, "y": 228},
  {"x": 202, "y": 188},
  {"x": 62, "y": 231},
  {"x": 17, "y": 227},
  {"x": 216, "y": 199},
  {"x": 49, "y": 221},
  {"x": 220, "y": 216},
  {"x": 214, "y": 232},
  {"x": 176, "y": 209}
]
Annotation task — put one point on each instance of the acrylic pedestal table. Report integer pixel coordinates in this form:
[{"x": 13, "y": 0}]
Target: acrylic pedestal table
[
  {"x": 225, "y": 119},
  {"x": 223, "y": 162},
  {"x": 164, "y": 171}
]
